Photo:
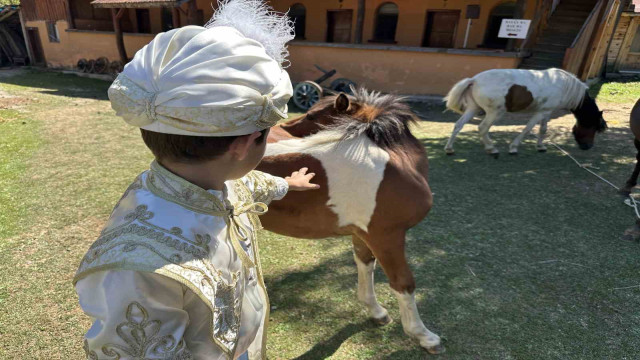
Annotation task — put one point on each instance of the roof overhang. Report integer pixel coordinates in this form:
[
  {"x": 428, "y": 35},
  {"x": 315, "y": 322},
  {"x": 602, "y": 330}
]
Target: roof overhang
[{"x": 136, "y": 3}]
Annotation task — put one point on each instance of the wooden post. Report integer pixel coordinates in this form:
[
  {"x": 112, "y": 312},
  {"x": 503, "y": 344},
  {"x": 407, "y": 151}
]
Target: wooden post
[
  {"x": 192, "y": 15},
  {"x": 116, "y": 15},
  {"x": 175, "y": 14},
  {"x": 27, "y": 41},
  {"x": 360, "y": 21},
  {"x": 70, "y": 23},
  {"x": 517, "y": 14}
]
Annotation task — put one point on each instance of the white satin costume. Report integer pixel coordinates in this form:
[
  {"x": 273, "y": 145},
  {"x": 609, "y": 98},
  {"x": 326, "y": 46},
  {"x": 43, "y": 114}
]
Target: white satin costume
[{"x": 175, "y": 274}]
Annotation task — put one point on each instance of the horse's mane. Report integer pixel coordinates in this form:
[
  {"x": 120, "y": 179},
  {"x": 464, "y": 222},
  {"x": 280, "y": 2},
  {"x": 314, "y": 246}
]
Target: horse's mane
[
  {"x": 383, "y": 118},
  {"x": 573, "y": 89}
]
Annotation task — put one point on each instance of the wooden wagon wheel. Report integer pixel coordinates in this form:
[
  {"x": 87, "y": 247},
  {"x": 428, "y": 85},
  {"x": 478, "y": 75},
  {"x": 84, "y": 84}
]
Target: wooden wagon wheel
[
  {"x": 116, "y": 67},
  {"x": 90, "y": 66},
  {"x": 306, "y": 94},
  {"x": 82, "y": 65},
  {"x": 101, "y": 65},
  {"x": 343, "y": 85}
]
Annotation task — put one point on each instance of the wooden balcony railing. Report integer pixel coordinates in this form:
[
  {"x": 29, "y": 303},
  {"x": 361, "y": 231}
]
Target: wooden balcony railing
[{"x": 585, "y": 56}]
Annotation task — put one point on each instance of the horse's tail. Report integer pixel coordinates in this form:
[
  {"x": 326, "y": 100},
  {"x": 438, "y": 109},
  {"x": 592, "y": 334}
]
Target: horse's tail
[{"x": 459, "y": 98}]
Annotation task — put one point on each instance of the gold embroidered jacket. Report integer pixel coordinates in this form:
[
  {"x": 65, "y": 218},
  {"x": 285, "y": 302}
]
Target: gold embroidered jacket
[{"x": 175, "y": 274}]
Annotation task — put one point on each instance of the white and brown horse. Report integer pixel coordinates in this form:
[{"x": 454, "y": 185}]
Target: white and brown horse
[
  {"x": 373, "y": 177},
  {"x": 534, "y": 92}
]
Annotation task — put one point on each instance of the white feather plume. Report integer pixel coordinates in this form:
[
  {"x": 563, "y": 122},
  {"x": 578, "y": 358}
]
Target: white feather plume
[{"x": 258, "y": 21}]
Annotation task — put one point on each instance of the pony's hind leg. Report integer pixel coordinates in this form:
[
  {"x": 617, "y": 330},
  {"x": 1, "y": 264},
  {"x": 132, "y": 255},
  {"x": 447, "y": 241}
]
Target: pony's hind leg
[
  {"x": 366, "y": 264},
  {"x": 389, "y": 250},
  {"x": 483, "y": 129},
  {"x": 465, "y": 118},
  {"x": 633, "y": 180}
]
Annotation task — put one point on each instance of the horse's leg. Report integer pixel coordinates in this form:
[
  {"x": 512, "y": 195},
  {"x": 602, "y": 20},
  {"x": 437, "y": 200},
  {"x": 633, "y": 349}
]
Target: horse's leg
[
  {"x": 513, "y": 148},
  {"x": 388, "y": 248},
  {"x": 465, "y": 118},
  {"x": 483, "y": 128},
  {"x": 542, "y": 131},
  {"x": 366, "y": 263},
  {"x": 633, "y": 180}
]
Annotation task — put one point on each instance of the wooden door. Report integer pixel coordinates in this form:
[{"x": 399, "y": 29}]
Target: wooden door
[
  {"x": 36, "y": 47},
  {"x": 440, "y": 30},
  {"x": 339, "y": 26}
]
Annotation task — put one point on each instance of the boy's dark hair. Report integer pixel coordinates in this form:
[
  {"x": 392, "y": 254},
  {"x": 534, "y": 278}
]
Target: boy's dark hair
[{"x": 189, "y": 149}]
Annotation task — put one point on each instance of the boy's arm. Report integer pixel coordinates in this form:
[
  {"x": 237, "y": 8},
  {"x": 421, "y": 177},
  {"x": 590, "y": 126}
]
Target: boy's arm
[
  {"x": 266, "y": 187},
  {"x": 135, "y": 315}
]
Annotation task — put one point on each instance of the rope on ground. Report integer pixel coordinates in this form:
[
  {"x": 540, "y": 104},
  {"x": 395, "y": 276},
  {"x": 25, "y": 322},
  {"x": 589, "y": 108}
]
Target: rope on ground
[{"x": 629, "y": 202}]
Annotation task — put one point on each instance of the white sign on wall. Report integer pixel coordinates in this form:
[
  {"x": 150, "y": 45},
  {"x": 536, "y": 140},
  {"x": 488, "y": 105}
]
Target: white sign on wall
[{"x": 514, "y": 28}]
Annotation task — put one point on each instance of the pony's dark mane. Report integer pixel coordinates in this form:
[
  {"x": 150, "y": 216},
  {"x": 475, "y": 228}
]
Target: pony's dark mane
[{"x": 383, "y": 118}]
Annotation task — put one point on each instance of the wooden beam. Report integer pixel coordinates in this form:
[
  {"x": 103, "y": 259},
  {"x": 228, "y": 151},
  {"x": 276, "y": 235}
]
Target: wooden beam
[
  {"x": 116, "y": 15},
  {"x": 360, "y": 21},
  {"x": 27, "y": 41},
  {"x": 71, "y": 23},
  {"x": 175, "y": 14},
  {"x": 192, "y": 14}
]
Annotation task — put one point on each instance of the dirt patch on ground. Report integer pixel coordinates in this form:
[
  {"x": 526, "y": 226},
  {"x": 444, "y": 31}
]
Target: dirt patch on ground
[{"x": 8, "y": 101}]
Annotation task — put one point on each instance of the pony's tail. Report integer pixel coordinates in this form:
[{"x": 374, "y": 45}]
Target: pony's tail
[{"x": 458, "y": 98}]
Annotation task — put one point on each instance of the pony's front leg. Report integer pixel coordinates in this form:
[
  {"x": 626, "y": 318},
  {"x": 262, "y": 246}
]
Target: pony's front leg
[
  {"x": 513, "y": 148},
  {"x": 542, "y": 131},
  {"x": 484, "y": 127},
  {"x": 366, "y": 263},
  {"x": 389, "y": 250}
]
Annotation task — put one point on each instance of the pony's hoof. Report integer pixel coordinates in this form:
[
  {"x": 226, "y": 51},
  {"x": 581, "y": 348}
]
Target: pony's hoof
[
  {"x": 495, "y": 155},
  {"x": 624, "y": 192},
  {"x": 435, "y": 350},
  {"x": 542, "y": 150},
  {"x": 513, "y": 153},
  {"x": 385, "y": 320},
  {"x": 449, "y": 151}
]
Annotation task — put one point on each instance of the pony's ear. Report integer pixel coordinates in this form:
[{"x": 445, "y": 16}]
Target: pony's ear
[
  {"x": 601, "y": 112},
  {"x": 342, "y": 103}
]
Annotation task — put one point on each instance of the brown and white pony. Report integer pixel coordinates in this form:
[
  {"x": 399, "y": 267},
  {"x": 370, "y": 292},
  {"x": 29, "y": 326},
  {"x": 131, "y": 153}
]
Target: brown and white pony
[
  {"x": 537, "y": 93},
  {"x": 373, "y": 177}
]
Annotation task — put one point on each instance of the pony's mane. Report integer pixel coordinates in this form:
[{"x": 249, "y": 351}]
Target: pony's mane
[
  {"x": 574, "y": 89},
  {"x": 383, "y": 118}
]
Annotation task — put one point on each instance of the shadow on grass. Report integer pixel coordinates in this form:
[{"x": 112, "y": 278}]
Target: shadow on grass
[
  {"x": 54, "y": 83},
  {"x": 328, "y": 347}
]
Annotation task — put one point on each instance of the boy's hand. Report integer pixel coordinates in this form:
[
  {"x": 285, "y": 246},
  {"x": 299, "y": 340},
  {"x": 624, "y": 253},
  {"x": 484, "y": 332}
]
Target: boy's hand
[{"x": 300, "y": 180}]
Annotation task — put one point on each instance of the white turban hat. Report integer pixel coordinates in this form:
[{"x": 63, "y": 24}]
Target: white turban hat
[{"x": 224, "y": 79}]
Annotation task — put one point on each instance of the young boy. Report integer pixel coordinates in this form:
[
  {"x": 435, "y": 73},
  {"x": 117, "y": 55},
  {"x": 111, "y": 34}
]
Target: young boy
[{"x": 175, "y": 274}]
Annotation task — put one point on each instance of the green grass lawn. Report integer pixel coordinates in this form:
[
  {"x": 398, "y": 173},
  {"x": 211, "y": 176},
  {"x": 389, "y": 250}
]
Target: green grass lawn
[{"x": 520, "y": 258}]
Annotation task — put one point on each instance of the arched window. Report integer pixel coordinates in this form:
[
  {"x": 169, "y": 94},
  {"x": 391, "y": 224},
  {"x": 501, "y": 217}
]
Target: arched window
[
  {"x": 298, "y": 13},
  {"x": 500, "y": 12},
  {"x": 386, "y": 23}
]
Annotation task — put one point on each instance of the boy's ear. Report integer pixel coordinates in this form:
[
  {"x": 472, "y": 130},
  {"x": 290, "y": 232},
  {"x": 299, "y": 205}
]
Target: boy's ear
[{"x": 239, "y": 148}]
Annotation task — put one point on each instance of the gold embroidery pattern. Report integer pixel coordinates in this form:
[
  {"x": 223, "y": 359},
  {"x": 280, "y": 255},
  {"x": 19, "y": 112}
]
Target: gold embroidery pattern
[
  {"x": 172, "y": 237},
  {"x": 265, "y": 187},
  {"x": 91, "y": 355},
  {"x": 142, "y": 338}
]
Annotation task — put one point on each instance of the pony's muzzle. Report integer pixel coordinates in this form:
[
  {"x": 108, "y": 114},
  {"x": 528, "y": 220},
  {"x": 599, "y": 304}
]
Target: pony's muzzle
[{"x": 585, "y": 146}]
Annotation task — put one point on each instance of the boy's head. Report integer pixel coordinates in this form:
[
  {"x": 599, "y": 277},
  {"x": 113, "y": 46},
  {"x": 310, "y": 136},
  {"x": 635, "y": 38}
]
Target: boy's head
[
  {"x": 208, "y": 93},
  {"x": 245, "y": 151}
]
